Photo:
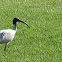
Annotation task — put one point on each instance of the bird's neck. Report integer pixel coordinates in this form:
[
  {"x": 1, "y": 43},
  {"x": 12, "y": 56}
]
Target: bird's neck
[{"x": 14, "y": 27}]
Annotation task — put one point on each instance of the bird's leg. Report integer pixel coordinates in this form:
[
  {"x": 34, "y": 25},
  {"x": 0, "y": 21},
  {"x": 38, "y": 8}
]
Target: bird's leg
[{"x": 5, "y": 48}]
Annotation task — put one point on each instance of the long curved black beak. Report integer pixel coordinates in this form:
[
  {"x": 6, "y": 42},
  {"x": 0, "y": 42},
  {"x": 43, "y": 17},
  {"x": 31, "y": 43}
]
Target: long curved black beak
[{"x": 24, "y": 23}]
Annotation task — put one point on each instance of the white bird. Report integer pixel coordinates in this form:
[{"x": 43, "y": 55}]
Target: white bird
[{"x": 7, "y": 35}]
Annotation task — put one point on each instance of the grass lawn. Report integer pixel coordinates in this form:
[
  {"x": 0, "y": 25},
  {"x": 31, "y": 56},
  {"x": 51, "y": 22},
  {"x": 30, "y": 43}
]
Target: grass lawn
[{"x": 43, "y": 41}]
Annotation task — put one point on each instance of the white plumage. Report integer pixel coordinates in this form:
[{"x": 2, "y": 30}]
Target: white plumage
[{"x": 7, "y": 35}]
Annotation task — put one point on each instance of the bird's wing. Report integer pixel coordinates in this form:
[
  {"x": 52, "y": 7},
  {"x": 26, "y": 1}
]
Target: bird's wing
[
  {"x": 1, "y": 35},
  {"x": 6, "y": 36}
]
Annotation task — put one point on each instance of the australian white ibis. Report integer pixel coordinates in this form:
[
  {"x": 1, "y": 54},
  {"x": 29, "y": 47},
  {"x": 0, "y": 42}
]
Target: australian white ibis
[{"x": 7, "y": 35}]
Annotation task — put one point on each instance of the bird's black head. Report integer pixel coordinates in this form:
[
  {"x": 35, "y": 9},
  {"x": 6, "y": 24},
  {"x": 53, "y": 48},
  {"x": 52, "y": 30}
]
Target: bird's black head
[{"x": 17, "y": 20}]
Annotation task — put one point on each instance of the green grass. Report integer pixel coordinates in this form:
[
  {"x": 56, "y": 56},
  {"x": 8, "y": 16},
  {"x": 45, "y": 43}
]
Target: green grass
[{"x": 43, "y": 41}]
